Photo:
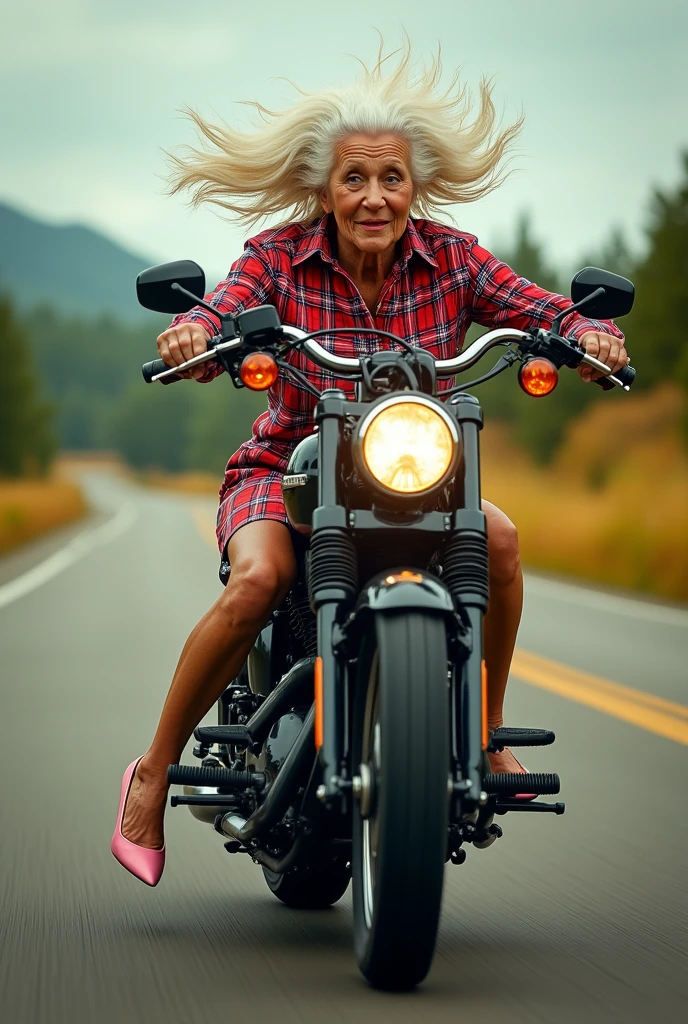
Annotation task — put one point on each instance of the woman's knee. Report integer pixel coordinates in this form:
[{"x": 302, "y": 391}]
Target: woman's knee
[
  {"x": 502, "y": 546},
  {"x": 255, "y": 589},
  {"x": 263, "y": 571}
]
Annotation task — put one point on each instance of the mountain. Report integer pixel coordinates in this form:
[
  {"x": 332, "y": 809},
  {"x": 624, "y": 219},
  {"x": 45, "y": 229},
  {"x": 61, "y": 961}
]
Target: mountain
[{"x": 74, "y": 269}]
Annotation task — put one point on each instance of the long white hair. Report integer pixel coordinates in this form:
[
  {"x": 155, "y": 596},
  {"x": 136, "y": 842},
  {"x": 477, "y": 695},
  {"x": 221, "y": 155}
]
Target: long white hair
[{"x": 282, "y": 166}]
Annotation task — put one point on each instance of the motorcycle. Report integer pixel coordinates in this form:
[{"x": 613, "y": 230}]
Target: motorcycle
[{"x": 353, "y": 743}]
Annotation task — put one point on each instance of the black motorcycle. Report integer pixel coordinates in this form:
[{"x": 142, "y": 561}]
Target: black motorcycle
[{"x": 353, "y": 743}]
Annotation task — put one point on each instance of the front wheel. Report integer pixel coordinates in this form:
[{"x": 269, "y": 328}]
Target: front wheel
[{"x": 401, "y": 748}]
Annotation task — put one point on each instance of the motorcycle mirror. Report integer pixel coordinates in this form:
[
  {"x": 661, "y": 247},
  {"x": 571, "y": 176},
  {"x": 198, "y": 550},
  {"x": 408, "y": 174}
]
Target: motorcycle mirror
[
  {"x": 154, "y": 286},
  {"x": 617, "y": 299}
]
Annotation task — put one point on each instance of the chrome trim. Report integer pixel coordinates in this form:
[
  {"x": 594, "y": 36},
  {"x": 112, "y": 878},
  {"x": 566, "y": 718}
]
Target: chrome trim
[
  {"x": 471, "y": 355},
  {"x": 290, "y": 480},
  {"x": 344, "y": 365},
  {"x": 603, "y": 368}
]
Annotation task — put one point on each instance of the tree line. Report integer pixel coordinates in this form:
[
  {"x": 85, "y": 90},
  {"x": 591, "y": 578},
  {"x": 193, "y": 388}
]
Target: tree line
[{"x": 75, "y": 383}]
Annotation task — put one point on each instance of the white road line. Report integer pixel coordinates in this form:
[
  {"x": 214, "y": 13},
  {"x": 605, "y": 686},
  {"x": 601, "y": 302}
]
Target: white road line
[
  {"x": 598, "y": 601},
  {"x": 68, "y": 555}
]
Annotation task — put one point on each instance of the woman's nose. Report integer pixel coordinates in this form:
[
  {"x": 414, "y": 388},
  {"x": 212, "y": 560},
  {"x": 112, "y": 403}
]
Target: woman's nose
[{"x": 374, "y": 197}]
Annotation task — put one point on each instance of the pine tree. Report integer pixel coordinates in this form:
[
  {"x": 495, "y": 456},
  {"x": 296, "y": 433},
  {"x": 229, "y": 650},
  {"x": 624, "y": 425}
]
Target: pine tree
[
  {"x": 657, "y": 328},
  {"x": 27, "y": 441},
  {"x": 527, "y": 258}
]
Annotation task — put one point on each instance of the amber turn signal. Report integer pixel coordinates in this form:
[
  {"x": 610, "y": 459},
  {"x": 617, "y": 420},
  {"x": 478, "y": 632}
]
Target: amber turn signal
[
  {"x": 538, "y": 377},
  {"x": 259, "y": 371},
  {"x": 319, "y": 713}
]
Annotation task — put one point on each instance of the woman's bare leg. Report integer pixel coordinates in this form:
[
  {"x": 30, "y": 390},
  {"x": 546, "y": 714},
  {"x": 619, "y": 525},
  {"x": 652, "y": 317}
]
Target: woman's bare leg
[
  {"x": 263, "y": 570},
  {"x": 502, "y": 619}
]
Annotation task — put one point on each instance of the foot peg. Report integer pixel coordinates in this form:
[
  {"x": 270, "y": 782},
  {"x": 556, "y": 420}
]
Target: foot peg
[
  {"x": 220, "y": 778},
  {"x": 233, "y": 734},
  {"x": 512, "y": 783},
  {"x": 529, "y": 806},
  {"x": 519, "y": 738}
]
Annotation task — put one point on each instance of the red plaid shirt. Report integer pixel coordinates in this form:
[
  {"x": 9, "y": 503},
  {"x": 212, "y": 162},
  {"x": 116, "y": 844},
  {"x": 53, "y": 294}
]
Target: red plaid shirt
[{"x": 442, "y": 282}]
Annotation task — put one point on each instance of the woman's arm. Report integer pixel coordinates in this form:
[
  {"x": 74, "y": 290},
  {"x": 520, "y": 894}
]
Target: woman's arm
[
  {"x": 249, "y": 283},
  {"x": 500, "y": 298}
]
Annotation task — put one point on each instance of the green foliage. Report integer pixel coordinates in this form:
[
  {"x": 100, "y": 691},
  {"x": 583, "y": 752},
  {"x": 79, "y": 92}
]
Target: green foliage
[
  {"x": 657, "y": 325},
  {"x": 27, "y": 442},
  {"x": 92, "y": 370},
  {"x": 183, "y": 425},
  {"x": 615, "y": 255},
  {"x": 539, "y": 425},
  {"x": 150, "y": 425},
  {"x": 223, "y": 418},
  {"x": 87, "y": 365},
  {"x": 527, "y": 258}
]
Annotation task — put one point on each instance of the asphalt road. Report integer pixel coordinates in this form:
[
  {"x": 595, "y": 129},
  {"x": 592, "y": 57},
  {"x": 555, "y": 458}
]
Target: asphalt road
[{"x": 580, "y": 918}]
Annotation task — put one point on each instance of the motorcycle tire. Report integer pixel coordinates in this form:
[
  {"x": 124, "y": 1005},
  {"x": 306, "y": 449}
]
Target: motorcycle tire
[
  {"x": 313, "y": 887},
  {"x": 400, "y": 819}
]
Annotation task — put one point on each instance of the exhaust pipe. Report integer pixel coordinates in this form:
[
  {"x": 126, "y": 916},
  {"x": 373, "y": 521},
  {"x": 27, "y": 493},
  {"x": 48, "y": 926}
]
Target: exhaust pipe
[{"x": 274, "y": 807}]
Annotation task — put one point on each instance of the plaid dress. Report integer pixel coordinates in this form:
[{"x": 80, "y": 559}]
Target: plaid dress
[{"x": 441, "y": 282}]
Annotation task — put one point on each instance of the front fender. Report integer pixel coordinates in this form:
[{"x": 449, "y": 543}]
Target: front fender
[{"x": 403, "y": 588}]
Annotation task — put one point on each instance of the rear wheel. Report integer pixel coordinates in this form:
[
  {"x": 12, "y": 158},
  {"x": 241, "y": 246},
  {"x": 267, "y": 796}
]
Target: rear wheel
[
  {"x": 312, "y": 886},
  {"x": 401, "y": 748}
]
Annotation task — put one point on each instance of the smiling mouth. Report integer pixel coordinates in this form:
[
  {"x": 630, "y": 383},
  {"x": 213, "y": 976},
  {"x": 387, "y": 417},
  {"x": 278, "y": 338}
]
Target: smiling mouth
[{"x": 373, "y": 223}]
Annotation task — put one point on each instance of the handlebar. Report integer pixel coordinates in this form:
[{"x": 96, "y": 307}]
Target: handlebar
[{"x": 347, "y": 366}]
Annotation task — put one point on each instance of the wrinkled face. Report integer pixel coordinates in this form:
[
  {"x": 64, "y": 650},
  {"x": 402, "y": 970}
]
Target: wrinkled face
[{"x": 370, "y": 190}]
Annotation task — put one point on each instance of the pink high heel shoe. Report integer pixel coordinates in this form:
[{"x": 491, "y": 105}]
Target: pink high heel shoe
[
  {"x": 524, "y": 771},
  {"x": 145, "y": 864}
]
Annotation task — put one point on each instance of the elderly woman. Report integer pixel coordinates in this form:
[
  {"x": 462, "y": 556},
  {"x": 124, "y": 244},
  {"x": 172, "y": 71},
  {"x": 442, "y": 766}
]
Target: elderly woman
[{"x": 358, "y": 170}]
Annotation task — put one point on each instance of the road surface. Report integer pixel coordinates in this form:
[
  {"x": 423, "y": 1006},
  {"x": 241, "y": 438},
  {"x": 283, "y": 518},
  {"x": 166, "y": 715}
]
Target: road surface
[{"x": 580, "y": 918}]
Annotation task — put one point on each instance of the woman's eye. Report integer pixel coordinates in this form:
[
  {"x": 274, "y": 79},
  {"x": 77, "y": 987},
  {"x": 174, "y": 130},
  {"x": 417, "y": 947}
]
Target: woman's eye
[{"x": 353, "y": 178}]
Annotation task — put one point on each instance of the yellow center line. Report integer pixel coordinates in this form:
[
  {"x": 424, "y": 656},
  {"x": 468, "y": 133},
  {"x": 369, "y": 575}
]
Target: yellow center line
[
  {"x": 645, "y": 710},
  {"x": 205, "y": 523},
  {"x": 654, "y": 714}
]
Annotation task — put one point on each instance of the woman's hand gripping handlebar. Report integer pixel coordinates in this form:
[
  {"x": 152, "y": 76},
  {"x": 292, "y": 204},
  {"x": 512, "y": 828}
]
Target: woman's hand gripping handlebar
[{"x": 184, "y": 354}]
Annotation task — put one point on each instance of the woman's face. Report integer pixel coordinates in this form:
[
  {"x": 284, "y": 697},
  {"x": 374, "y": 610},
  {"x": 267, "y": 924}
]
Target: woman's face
[{"x": 370, "y": 191}]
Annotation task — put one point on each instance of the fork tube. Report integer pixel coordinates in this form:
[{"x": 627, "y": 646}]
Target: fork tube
[
  {"x": 469, "y": 588},
  {"x": 333, "y": 586}
]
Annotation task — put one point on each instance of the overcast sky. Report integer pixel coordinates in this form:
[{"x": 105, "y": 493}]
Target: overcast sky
[{"x": 89, "y": 94}]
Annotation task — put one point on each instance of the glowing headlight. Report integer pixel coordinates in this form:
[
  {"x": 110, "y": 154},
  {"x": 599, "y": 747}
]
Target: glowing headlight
[{"x": 408, "y": 445}]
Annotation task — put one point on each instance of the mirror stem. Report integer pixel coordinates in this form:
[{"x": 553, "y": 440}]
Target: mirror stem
[
  {"x": 556, "y": 323},
  {"x": 175, "y": 286}
]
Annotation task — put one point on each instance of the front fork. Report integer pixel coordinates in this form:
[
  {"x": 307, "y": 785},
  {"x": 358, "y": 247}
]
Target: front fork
[
  {"x": 466, "y": 575},
  {"x": 334, "y": 584}
]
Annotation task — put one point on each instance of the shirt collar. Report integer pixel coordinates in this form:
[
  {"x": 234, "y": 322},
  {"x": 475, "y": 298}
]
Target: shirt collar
[{"x": 316, "y": 239}]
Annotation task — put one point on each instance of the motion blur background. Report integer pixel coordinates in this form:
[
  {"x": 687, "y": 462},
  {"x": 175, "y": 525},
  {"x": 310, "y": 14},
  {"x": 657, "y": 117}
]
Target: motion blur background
[
  {"x": 91, "y": 95},
  {"x": 567, "y": 919}
]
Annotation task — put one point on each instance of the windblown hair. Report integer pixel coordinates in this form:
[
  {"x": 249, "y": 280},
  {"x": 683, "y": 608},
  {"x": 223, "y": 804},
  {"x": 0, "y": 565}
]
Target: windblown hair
[{"x": 282, "y": 166}]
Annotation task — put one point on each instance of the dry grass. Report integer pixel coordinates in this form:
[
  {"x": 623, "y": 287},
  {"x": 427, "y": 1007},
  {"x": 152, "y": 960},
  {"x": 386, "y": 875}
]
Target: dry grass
[
  {"x": 614, "y": 506},
  {"x": 197, "y": 482},
  {"x": 30, "y": 507}
]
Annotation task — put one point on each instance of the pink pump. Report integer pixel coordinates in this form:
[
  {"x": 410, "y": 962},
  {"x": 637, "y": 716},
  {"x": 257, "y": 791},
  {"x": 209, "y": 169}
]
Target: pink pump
[
  {"x": 145, "y": 864},
  {"x": 524, "y": 771}
]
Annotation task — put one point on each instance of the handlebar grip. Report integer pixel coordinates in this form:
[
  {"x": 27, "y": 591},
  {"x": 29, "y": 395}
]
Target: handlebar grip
[
  {"x": 156, "y": 366},
  {"x": 626, "y": 375}
]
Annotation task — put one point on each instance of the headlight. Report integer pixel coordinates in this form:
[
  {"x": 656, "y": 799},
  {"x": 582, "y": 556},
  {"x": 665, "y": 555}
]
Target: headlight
[{"x": 408, "y": 445}]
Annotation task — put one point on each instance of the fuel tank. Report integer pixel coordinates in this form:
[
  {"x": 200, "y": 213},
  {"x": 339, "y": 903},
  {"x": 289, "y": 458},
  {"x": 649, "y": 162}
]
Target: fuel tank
[{"x": 300, "y": 484}]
